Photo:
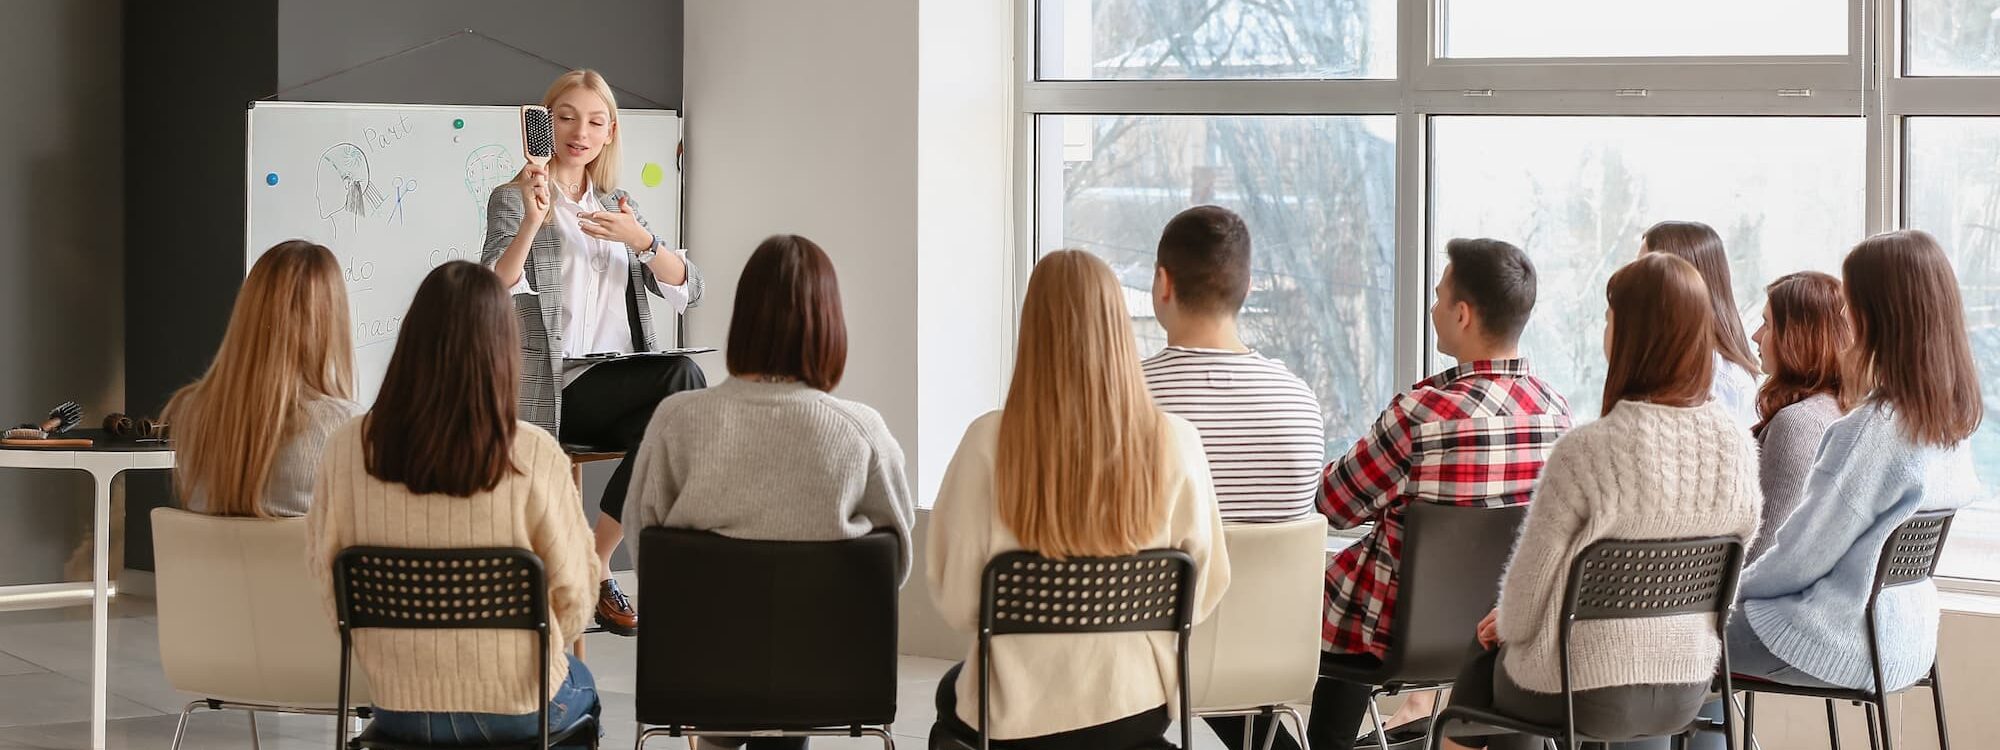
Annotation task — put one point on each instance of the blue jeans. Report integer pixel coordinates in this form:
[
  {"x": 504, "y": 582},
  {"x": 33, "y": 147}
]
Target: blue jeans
[{"x": 571, "y": 702}]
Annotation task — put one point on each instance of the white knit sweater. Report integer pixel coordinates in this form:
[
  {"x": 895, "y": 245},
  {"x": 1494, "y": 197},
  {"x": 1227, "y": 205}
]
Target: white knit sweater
[
  {"x": 1642, "y": 472},
  {"x": 539, "y": 509}
]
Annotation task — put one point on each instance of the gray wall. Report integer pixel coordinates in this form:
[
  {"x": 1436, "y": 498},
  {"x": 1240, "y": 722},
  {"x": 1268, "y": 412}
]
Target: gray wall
[
  {"x": 61, "y": 273},
  {"x": 636, "y": 44}
]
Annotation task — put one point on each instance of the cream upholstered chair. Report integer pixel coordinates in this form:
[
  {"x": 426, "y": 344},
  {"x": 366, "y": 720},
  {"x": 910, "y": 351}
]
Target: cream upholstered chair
[
  {"x": 242, "y": 622},
  {"x": 1259, "y": 651}
]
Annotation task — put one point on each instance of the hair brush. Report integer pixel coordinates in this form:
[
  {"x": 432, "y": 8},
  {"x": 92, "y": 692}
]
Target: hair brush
[
  {"x": 61, "y": 419},
  {"x": 538, "y": 140}
]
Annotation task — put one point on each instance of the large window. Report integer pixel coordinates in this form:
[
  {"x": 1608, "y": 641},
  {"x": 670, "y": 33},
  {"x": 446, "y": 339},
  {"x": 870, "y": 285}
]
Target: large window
[
  {"x": 1319, "y": 196},
  {"x": 1575, "y": 192},
  {"x": 1357, "y": 136}
]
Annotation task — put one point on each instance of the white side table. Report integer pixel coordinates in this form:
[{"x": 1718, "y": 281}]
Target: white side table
[{"x": 104, "y": 462}]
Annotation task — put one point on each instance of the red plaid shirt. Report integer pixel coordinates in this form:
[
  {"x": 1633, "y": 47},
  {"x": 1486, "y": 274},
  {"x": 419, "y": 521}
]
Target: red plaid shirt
[{"x": 1475, "y": 434}]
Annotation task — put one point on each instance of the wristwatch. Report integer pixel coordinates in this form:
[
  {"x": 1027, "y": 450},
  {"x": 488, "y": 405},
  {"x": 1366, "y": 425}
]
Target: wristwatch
[{"x": 652, "y": 251}]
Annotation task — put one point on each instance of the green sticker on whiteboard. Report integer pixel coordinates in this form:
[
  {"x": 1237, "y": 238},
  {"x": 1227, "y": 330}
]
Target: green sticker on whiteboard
[{"x": 652, "y": 174}]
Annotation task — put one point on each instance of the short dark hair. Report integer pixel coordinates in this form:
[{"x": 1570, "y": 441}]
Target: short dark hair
[
  {"x": 788, "y": 321},
  {"x": 1497, "y": 280},
  {"x": 1206, "y": 251},
  {"x": 445, "y": 417}
]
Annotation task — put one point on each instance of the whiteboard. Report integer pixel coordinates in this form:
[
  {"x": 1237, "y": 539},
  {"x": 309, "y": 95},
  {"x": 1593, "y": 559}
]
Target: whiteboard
[{"x": 396, "y": 190}]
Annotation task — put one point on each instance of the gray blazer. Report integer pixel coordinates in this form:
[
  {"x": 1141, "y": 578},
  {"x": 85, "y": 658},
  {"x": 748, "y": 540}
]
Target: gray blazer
[{"x": 540, "y": 314}]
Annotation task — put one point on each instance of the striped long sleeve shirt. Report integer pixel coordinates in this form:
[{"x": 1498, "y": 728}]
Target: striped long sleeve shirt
[{"x": 1260, "y": 426}]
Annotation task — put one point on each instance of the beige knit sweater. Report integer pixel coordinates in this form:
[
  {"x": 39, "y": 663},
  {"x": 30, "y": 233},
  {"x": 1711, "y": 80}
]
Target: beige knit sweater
[
  {"x": 482, "y": 671},
  {"x": 1642, "y": 472}
]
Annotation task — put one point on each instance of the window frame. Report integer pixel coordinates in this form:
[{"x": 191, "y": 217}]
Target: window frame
[{"x": 1869, "y": 82}]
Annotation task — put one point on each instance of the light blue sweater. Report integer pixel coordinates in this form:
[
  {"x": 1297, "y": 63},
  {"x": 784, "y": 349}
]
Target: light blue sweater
[{"x": 1805, "y": 596}]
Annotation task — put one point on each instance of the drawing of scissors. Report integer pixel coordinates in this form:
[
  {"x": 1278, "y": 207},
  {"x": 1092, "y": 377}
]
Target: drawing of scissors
[{"x": 403, "y": 187}]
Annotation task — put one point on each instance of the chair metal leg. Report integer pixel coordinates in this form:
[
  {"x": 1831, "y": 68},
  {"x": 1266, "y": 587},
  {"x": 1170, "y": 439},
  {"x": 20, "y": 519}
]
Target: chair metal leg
[
  {"x": 1249, "y": 723},
  {"x": 1832, "y": 725},
  {"x": 1298, "y": 724},
  {"x": 256, "y": 742},
  {"x": 1749, "y": 718},
  {"x": 1874, "y": 737},
  {"x": 1381, "y": 730},
  {"x": 1937, "y": 700},
  {"x": 180, "y": 727}
]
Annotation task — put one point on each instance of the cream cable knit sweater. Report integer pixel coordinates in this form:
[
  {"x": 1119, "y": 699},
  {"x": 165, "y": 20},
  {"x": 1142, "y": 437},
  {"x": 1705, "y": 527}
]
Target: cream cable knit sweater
[
  {"x": 481, "y": 671},
  {"x": 1642, "y": 472}
]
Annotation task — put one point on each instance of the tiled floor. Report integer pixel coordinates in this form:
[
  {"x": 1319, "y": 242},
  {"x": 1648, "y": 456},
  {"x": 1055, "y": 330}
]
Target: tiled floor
[{"x": 45, "y": 698}]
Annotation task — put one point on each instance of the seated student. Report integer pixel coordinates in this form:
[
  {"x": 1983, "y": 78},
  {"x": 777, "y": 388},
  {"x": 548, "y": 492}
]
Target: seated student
[
  {"x": 1260, "y": 425},
  {"x": 1484, "y": 298},
  {"x": 1901, "y": 450},
  {"x": 1804, "y": 334},
  {"x": 1697, "y": 243},
  {"x": 1079, "y": 463},
  {"x": 441, "y": 461},
  {"x": 770, "y": 454},
  {"x": 249, "y": 433},
  {"x": 1664, "y": 461}
]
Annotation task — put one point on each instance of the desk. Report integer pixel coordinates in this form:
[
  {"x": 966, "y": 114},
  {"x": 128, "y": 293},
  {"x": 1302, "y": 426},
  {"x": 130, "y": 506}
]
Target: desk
[{"x": 104, "y": 462}]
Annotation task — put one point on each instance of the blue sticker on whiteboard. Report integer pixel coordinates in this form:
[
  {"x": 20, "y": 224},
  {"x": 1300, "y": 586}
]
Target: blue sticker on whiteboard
[{"x": 271, "y": 178}]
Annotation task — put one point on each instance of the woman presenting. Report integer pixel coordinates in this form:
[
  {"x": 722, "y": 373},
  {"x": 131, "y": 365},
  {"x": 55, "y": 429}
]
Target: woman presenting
[{"x": 579, "y": 262}]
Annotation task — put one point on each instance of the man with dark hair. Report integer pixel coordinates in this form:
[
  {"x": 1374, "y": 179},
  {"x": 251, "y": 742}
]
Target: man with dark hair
[
  {"x": 1485, "y": 425},
  {"x": 1260, "y": 425}
]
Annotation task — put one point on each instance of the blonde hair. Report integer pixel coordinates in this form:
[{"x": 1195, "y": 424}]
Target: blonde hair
[
  {"x": 288, "y": 340},
  {"x": 1080, "y": 445},
  {"x": 603, "y": 170}
]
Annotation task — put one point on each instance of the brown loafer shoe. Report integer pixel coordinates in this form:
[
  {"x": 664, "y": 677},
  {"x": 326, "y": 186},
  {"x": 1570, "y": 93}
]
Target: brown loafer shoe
[{"x": 615, "y": 612}]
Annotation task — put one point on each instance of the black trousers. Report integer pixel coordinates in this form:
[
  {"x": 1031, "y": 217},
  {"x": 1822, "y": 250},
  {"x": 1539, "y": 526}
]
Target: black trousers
[
  {"x": 1338, "y": 706},
  {"x": 1642, "y": 711},
  {"x": 1143, "y": 731},
  {"x": 609, "y": 406}
]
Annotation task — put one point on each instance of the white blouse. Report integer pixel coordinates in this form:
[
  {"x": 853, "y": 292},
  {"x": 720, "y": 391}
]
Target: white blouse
[{"x": 594, "y": 276}]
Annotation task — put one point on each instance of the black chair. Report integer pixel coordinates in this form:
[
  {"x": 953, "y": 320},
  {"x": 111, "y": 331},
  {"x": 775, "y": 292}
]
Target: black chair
[
  {"x": 1910, "y": 555},
  {"x": 1025, "y": 593},
  {"x": 1447, "y": 580},
  {"x": 1622, "y": 580},
  {"x": 775, "y": 639},
  {"x": 501, "y": 588}
]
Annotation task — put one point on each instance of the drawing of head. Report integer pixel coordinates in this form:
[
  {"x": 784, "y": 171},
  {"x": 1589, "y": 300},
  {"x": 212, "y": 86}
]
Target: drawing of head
[
  {"x": 485, "y": 168},
  {"x": 341, "y": 182}
]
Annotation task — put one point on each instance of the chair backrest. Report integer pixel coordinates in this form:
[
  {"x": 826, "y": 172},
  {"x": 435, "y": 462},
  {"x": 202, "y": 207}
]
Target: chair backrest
[
  {"x": 1261, "y": 645},
  {"x": 766, "y": 634},
  {"x": 1911, "y": 553},
  {"x": 494, "y": 588},
  {"x": 1024, "y": 593},
  {"x": 1617, "y": 579},
  {"x": 1447, "y": 580},
  {"x": 241, "y": 618}
]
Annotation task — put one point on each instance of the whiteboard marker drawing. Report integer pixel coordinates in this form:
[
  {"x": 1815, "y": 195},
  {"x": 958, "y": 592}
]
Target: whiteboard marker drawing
[
  {"x": 487, "y": 167},
  {"x": 341, "y": 185},
  {"x": 403, "y": 187}
]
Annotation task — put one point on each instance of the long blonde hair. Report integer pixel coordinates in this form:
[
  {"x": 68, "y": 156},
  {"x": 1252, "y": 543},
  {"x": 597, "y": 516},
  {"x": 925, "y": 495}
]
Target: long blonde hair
[
  {"x": 1080, "y": 446},
  {"x": 288, "y": 339},
  {"x": 603, "y": 170}
]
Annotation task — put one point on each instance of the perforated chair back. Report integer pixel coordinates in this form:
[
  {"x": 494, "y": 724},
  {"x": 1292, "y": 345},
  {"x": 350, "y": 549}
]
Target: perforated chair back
[
  {"x": 1448, "y": 579},
  {"x": 1912, "y": 551},
  {"x": 779, "y": 635},
  {"x": 240, "y": 615},
  {"x": 495, "y": 588},
  {"x": 1614, "y": 580},
  {"x": 1025, "y": 593},
  {"x": 1260, "y": 647}
]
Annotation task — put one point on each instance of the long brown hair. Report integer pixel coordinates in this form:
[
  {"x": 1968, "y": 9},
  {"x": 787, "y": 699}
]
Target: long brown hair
[
  {"x": 1809, "y": 334},
  {"x": 788, "y": 321},
  {"x": 288, "y": 341},
  {"x": 444, "y": 421},
  {"x": 1697, "y": 243},
  {"x": 1662, "y": 334},
  {"x": 1910, "y": 347},
  {"x": 1080, "y": 446}
]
